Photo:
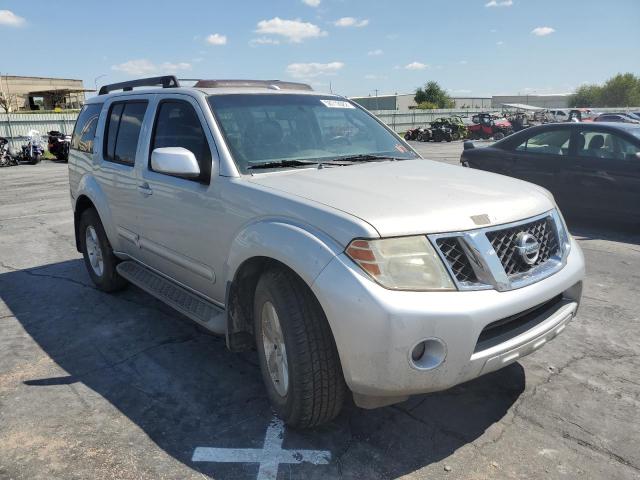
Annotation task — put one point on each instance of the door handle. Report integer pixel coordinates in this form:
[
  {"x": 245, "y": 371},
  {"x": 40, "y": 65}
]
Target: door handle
[{"x": 144, "y": 189}]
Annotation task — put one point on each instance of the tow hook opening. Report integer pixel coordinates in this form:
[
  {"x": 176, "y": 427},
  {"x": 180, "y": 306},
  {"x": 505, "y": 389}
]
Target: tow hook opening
[{"x": 428, "y": 354}]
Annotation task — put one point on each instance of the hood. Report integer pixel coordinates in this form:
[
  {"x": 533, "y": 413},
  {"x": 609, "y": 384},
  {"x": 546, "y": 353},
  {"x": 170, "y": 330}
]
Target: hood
[{"x": 414, "y": 196}]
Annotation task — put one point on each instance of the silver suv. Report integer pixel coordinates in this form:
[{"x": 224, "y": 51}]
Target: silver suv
[{"x": 298, "y": 224}]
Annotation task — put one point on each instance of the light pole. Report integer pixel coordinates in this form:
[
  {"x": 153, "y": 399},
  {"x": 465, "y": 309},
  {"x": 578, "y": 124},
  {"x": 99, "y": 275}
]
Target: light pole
[{"x": 95, "y": 80}]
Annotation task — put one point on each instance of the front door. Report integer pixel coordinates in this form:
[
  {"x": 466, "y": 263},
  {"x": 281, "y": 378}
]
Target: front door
[{"x": 177, "y": 216}]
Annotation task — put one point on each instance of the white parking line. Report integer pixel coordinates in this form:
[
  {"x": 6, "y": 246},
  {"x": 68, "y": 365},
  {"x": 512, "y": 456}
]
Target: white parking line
[{"x": 269, "y": 457}]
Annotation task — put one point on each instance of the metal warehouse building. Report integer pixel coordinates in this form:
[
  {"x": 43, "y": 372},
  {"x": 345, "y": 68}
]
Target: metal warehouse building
[
  {"x": 40, "y": 93},
  {"x": 405, "y": 101}
]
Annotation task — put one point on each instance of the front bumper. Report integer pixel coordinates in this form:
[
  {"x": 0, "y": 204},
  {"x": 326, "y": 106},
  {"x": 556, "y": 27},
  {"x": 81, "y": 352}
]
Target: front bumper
[{"x": 375, "y": 329}]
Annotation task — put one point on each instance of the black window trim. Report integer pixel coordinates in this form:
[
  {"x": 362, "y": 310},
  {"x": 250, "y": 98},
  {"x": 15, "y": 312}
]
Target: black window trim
[
  {"x": 152, "y": 138},
  {"x": 84, "y": 108},
  {"x": 107, "y": 120}
]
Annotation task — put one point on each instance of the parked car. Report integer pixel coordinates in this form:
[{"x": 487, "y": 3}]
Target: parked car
[
  {"x": 573, "y": 114},
  {"x": 297, "y": 223},
  {"x": 617, "y": 117},
  {"x": 592, "y": 169}
]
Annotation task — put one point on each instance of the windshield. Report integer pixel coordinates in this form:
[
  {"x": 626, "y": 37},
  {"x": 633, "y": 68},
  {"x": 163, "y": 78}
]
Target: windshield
[{"x": 280, "y": 128}]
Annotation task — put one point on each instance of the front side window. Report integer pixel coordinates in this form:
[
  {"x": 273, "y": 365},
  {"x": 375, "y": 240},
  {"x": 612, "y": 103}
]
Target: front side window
[
  {"x": 85, "y": 129},
  {"x": 263, "y": 129},
  {"x": 554, "y": 142},
  {"x": 122, "y": 131},
  {"x": 177, "y": 125},
  {"x": 602, "y": 144}
]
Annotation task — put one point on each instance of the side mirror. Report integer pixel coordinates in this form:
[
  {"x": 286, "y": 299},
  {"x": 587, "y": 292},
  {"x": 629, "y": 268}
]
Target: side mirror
[
  {"x": 468, "y": 145},
  {"x": 176, "y": 161}
]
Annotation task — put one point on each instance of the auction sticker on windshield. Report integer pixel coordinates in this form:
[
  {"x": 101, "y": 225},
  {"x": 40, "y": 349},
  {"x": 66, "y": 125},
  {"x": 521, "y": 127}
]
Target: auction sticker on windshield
[{"x": 337, "y": 104}]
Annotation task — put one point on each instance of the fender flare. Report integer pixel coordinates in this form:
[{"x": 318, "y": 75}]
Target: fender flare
[
  {"x": 90, "y": 188},
  {"x": 301, "y": 248}
]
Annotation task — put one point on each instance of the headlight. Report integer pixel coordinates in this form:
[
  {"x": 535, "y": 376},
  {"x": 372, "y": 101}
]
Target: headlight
[{"x": 403, "y": 263}]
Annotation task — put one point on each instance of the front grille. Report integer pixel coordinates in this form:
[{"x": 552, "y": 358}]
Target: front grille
[
  {"x": 457, "y": 259},
  {"x": 504, "y": 242}
]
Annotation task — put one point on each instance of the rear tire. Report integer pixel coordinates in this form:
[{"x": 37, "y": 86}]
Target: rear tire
[
  {"x": 98, "y": 256},
  {"x": 498, "y": 136},
  {"x": 312, "y": 390},
  {"x": 36, "y": 159}
]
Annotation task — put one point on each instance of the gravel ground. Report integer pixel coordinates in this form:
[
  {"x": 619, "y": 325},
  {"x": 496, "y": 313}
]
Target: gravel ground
[{"x": 120, "y": 386}]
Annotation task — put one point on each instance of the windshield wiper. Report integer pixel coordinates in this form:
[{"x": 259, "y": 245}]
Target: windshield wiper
[
  {"x": 364, "y": 157},
  {"x": 281, "y": 164}
]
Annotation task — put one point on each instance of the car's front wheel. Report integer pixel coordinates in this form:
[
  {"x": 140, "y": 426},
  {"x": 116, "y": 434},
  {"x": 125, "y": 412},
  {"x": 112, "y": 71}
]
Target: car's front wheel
[
  {"x": 98, "y": 255},
  {"x": 297, "y": 353}
]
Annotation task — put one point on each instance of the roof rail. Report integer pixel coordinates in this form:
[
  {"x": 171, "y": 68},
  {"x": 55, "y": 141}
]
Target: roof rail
[
  {"x": 167, "y": 81},
  {"x": 272, "y": 84}
]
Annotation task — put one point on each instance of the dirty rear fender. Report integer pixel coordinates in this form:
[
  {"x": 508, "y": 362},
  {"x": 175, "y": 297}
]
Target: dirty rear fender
[{"x": 90, "y": 188}]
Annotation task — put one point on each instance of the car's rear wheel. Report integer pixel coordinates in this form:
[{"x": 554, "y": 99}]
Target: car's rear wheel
[
  {"x": 98, "y": 254},
  {"x": 298, "y": 356}
]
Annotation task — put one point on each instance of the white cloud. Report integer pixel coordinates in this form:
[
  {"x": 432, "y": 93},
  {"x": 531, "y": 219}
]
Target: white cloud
[
  {"x": 375, "y": 53},
  {"x": 217, "y": 39},
  {"x": 310, "y": 70},
  {"x": 10, "y": 19},
  {"x": 294, "y": 30},
  {"x": 499, "y": 3},
  {"x": 351, "y": 22},
  {"x": 312, "y": 3},
  {"x": 146, "y": 67},
  {"x": 543, "y": 31},
  {"x": 499, "y": 42},
  {"x": 416, "y": 66},
  {"x": 463, "y": 62},
  {"x": 264, "y": 41}
]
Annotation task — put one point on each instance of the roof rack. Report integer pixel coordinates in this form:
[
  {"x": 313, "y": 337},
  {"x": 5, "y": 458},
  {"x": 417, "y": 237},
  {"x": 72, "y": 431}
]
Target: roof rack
[
  {"x": 167, "y": 81},
  {"x": 272, "y": 84}
]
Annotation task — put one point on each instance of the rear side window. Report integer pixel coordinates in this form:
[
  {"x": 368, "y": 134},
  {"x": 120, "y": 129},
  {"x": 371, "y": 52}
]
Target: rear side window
[
  {"x": 122, "y": 131},
  {"x": 178, "y": 125},
  {"x": 85, "y": 129}
]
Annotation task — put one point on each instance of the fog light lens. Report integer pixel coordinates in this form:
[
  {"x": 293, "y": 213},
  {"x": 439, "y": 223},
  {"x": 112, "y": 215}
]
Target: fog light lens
[{"x": 428, "y": 354}]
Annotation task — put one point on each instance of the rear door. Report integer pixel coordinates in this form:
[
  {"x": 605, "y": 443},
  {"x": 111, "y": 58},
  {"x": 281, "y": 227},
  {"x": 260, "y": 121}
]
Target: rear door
[
  {"x": 120, "y": 146},
  {"x": 602, "y": 176}
]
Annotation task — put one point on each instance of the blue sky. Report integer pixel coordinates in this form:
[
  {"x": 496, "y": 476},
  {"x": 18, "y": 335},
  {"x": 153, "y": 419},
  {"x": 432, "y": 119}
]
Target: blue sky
[{"x": 472, "y": 47}]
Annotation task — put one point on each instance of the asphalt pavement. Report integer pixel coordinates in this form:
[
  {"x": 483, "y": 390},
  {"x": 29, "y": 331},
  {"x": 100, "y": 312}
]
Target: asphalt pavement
[{"x": 120, "y": 386}]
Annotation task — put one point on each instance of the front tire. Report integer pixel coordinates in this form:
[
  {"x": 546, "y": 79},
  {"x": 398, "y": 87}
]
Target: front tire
[
  {"x": 297, "y": 353},
  {"x": 98, "y": 254}
]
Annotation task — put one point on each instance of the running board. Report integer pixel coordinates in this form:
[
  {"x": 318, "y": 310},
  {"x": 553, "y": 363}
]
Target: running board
[{"x": 205, "y": 313}]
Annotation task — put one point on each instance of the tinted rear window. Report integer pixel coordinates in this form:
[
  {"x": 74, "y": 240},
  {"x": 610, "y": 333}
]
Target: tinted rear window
[{"x": 123, "y": 131}]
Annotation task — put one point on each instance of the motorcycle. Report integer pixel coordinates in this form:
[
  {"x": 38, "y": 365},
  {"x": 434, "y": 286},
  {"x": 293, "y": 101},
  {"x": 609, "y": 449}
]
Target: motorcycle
[
  {"x": 412, "y": 134},
  {"x": 33, "y": 150},
  {"x": 7, "y": 157},
  {"x": 58, "y": 145}
]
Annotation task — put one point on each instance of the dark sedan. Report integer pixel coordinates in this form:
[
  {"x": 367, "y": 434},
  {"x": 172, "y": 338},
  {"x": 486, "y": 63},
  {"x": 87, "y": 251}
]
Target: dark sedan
[{"x": 592, "y": 169}]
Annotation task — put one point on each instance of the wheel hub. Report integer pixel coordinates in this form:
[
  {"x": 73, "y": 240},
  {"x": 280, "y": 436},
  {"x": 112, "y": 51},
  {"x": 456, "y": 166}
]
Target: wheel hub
[
  {"x": 94, "y": 252},
  {"x": 274, "y": 349}
]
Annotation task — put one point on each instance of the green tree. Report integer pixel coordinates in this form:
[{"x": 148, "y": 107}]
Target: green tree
[
  {"x": 433, "y": 94},
  {"x": 623, "y": 90},
  {"x": 586, "y": 96}
]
